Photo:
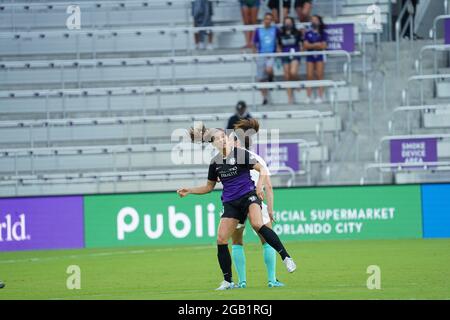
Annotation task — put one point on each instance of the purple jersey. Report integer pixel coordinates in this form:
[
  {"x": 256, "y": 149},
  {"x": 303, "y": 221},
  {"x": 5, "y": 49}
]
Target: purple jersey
[
  {"x": 315, "y": 37},
  {"x": 234, "y": 173},
  {"x": 290, "y": 42}
]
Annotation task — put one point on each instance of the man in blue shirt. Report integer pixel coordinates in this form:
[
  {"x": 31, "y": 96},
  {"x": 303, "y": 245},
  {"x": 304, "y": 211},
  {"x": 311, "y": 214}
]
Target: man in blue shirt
[{"x": 265, "y": 41}]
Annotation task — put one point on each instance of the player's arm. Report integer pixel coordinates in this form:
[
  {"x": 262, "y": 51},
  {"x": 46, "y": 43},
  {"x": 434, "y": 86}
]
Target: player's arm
[
  {"x": 269, "y": 194},
  {"x": 197, "y": 190},
  {"x": 322, "y": 45},
  {"x": 307, "y": 45},
  {"x": 263, "y": 173},
  {"x": 210, "y": 184}
]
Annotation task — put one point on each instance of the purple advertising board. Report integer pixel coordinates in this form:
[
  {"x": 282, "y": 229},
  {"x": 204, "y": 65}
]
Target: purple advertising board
[
  {"x": 41, "y": 223},
  {"x": 414, "y": 150},
  {"x": 447, "y": 31},
  {"x": 341, "y": 36},
  {"x": 279, "y": 155}
]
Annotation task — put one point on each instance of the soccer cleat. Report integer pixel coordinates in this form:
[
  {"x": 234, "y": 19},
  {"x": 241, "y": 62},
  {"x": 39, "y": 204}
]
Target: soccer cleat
[
  {"x": 242, "y": 285},
  {"x": 290, "y": 264},
  {"x": 225, "y": 285},
  {"x": 275, "y": 284}
]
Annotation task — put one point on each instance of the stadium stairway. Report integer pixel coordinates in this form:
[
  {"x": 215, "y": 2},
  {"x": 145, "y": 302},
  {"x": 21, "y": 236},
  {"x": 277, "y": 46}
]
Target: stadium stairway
[{"x": 360, "y": 144}]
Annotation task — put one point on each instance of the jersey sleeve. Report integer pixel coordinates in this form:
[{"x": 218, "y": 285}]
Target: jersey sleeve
[{"x": 212, "y": 174}]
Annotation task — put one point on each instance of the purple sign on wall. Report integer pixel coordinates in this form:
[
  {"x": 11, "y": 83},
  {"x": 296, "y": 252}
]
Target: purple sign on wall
[
  {"x": 341, "y": 36},
  {"x": 279, "y": 155},
  {"x": 447, "y": 31},
  {"x": 41, "y": 223},
  {"x": 414, "y": 150}
]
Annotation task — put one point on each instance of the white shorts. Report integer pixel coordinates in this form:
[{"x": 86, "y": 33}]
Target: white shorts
[{"x": 265, "y": 216}]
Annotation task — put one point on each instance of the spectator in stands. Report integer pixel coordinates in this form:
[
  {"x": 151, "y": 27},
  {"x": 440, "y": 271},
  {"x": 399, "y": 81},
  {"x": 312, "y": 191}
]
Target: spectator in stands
[
  {"x": 265, "y": 41},
  {"x": 202, "y": 12},
  {"x": 303, "y": 9},
  {"x": 249, "y": 11},
  {"x": 315, "y": 40},
  {"x": 241, "y": 113},
  {"x": 274, "y": 5},
  {"x": 412, "y": 9},
  {"x": 289, "y": 40}
]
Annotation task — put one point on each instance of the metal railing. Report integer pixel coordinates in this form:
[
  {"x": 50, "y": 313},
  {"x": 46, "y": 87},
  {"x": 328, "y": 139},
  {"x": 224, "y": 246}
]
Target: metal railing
[
  {"x": 408, "y": 110},
  {"x": 421, "y": 78},
  {"x": 111, "y": 177},
  {"x": 399, "y": 33},
  {"x": 108, "y": 7},
  {"x": 158, "y": 90},
  {"x": 397, "y": 167},
  {"x": 434, "y": 33},
  {"x": 117, "y": 177},
  {"x": 93, "y": 34},
  {"x": 113, "y": 33},
  {"x": 114, "y": 150},
  {"x": 32, "y": 125},
  {"x": 419, "y": 62},
  {"x": 63, "y": 65},
  {"x": 370, "y": 87}
]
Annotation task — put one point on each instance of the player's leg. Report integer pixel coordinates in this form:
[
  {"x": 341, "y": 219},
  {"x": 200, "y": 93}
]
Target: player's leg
[
  {"x": 246, "y": 18},
  {"x": 255, "y": 217},
  {"x": 238, "y": 255},
  {"x": 262, "y": 76},
  {"x": 309, "y": 76},
  {"x": 253, "y": 20},
  {"x": 226, "y": 229},
  {"x": 320, "y": 66},
  {"x": 293, "y": 73},
  {"x": 287, "y": 77},
  {"x": 269, "y": 254}
]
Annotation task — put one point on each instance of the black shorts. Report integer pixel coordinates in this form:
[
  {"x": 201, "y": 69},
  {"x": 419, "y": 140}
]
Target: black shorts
[
  {"x": 275, "y": 4},
  {"x": 238, "y": 209},
  {"x": 301, "y": 3}
]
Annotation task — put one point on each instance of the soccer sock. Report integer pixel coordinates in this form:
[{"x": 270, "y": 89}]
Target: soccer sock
[
  {"x": 224, "y": 261},
  {"x": 272, "y": 239},
  {"x": 239, "y": 261},
  {"x": 270, "y": 259}
]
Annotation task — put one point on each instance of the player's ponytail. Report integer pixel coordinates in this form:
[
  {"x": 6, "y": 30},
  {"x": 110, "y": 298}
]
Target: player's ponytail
[
  {"x": 244, "y": 129},
  {"x": 202, "y": 134},
  {"x": 199, "y": 134}
]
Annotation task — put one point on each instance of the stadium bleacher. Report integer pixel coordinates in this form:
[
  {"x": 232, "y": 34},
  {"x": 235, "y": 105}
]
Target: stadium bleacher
[{"x": 93, "y": 109}]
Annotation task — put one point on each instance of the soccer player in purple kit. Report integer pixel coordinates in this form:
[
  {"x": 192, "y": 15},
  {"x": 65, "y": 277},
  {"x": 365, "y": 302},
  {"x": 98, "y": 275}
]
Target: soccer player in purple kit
[
  {"x": 240, "y": 197},
  {"x": 315, "y": 40}
]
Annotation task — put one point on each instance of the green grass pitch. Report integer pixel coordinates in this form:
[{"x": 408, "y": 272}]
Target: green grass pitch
[{"x": 410, "y": 269}]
